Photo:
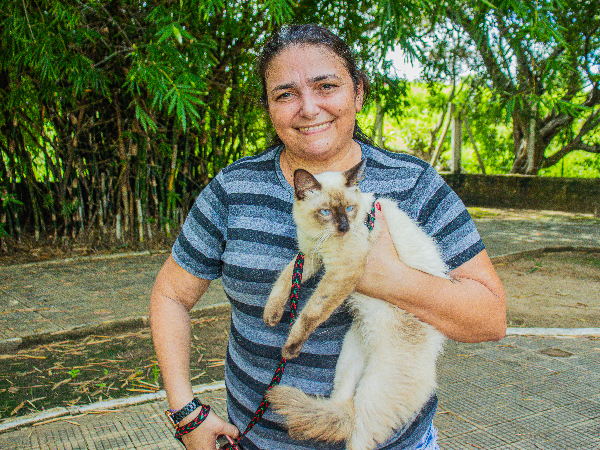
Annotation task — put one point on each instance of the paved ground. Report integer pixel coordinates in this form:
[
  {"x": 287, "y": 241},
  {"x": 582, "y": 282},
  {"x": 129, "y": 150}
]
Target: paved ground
[
  {"x": 55, "y": 296},
  {"x": 520, "y": 393}
]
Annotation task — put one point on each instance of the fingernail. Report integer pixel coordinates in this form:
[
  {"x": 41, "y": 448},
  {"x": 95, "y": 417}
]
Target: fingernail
[{"x": 378, "y": 206}]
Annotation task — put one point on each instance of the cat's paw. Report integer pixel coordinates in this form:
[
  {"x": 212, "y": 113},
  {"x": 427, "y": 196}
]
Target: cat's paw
[
  {"x": 291, "y": 350},
  {"x": 272, "y": 313}
]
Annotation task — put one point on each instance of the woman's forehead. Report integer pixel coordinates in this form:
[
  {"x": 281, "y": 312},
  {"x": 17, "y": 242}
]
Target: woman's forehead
[{"x": 305, "y": 63}]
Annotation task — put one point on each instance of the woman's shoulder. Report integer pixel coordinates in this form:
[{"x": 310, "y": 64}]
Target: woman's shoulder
[
  {"x": 256, "y": 163},
  {"x": 385, "y": 159}
]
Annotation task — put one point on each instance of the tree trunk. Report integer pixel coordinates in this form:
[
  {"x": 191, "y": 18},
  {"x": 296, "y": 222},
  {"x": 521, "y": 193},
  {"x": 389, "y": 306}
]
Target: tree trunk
[
  {"x": 528, "y": 146},
  {"x": 378, "y": 126}
]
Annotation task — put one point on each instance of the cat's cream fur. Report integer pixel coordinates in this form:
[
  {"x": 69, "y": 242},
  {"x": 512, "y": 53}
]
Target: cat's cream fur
[{"x": 386, "y": 369}]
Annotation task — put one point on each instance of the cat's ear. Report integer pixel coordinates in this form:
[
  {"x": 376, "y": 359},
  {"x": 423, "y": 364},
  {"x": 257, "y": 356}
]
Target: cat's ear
[
  {"x": 304, "y": 182},
  {"x": 356, "y": 173}
]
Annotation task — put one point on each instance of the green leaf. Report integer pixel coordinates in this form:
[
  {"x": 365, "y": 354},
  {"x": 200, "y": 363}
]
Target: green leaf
[{"x": 177, "y": 34}]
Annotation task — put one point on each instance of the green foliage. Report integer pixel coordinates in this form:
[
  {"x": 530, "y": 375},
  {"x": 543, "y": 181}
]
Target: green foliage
[
  {"x": 104, "y": 103},
  {"x": 9, "y": 199},
  {"x": 538, "y": 58},
  {"x": 95, "y": 95}
]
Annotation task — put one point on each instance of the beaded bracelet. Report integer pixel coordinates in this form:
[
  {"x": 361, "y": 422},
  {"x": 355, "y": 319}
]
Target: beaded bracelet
[{"x": 189, "y": 427}]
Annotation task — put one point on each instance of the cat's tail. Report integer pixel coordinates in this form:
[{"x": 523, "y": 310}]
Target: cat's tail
[{"x": 309, "y": 417}]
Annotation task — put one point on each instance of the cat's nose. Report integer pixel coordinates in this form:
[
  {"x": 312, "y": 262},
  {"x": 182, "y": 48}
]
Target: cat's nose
[{"x": 343, "y": 225}]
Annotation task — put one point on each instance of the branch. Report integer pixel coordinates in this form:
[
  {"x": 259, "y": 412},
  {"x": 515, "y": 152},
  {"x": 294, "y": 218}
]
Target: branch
[
  {"x": 116, "y": 24},
  {"x": 590, "y": 124},
  {"x": 543, "y": 64},
  {"x": 118, "y": 52},
  {"x": 586, "y": 52},
  {"x": 572, "y": 146},
  {"x": 554, "y": 125},
  {"x": 522, "y": 61},
  {"x": 28, "y": 24},
  {"x": 577, "y": 143},
  {"x": 593, "y": 97},
  {"x": 478, "y": 34}
]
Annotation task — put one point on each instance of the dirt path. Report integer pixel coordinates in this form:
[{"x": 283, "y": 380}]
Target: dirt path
[{"x": 553, "y": 290}]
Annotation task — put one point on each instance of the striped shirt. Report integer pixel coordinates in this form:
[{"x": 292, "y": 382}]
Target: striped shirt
[{"x": 240, "y": 228}]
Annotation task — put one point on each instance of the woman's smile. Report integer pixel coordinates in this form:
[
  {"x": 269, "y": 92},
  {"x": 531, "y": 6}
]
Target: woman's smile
[{"x": 314, "y": 128}]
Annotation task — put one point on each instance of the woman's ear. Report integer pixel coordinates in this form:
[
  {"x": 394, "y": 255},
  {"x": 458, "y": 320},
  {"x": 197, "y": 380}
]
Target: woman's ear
[{"x": 360, "y": 96}]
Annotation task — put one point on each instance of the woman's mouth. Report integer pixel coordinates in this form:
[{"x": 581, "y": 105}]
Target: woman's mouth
[{"x": 314, "y": 128}]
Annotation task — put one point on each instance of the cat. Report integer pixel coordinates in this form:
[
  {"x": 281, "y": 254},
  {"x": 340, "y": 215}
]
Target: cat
[{"x": 386, "y": 369}]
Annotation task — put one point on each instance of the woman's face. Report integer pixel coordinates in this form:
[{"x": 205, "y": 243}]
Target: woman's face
[{"x": 312, "y": 101}]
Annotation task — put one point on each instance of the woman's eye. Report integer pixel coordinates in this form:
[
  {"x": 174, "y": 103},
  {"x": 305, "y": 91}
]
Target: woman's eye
[
  {"x": 284, "y": 96},
  {"x": 325, "y": 212},
  {"x": 350, "y": 208}
]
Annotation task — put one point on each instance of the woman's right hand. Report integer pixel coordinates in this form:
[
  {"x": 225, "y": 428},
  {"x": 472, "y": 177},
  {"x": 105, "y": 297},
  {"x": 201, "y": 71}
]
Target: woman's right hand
[{"x": 205, "y": 436}]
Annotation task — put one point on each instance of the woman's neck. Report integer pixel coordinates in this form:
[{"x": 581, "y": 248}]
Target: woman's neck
[{"x": 290, "y": 162}]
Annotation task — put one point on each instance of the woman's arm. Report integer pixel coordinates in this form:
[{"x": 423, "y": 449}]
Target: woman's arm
[
  {"x": 470, "y": 307},
  {"x": 174, "y": 294}
]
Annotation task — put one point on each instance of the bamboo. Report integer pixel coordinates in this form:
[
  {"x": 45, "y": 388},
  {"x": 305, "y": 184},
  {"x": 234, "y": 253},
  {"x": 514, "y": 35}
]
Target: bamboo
[
  {"x": 100, "y": 193},
  {"x": 456, "y": 144},
  {"x": 438, "y": 147},
  {"x": 171, "y": 184},
  {"x": 118, "y": 226},
  {"x": 138, "y": 203},
  {"x": 480, "y": 161}
]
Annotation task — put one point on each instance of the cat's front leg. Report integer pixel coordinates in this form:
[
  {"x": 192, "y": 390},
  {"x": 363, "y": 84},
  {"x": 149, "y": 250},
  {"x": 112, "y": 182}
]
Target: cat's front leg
[
  {"x": 330, "y": 294},
  {"x": 279, "y": 296},
  {"x": 280, "y": 293}
]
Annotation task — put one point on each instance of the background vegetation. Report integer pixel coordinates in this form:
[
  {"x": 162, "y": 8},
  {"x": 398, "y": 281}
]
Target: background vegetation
[{"x": 115, "y": 114}]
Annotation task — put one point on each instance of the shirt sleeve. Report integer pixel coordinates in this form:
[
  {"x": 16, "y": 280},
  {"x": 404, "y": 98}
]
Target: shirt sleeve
[
  {"x": 443, "y": 215},
  {"x": 201, "y": 242}
]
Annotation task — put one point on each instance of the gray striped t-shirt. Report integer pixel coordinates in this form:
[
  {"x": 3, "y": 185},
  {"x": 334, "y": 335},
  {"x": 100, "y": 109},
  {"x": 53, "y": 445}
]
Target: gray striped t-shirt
[{"x": 240, "y": 228}]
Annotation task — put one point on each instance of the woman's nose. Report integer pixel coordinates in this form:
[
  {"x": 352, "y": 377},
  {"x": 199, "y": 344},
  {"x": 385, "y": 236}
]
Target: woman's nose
[{"x": 309, "y": 106}]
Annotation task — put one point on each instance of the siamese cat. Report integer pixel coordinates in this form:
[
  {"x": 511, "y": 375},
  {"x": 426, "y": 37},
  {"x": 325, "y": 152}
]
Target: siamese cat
[{"x": 386, "y": 368}]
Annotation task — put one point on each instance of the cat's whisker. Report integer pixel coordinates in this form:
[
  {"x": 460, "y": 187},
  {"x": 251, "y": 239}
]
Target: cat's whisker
[
  {"x": 357, "y": 233},
  {"x": 316, "y": 250},
  {"x": 321, "y": 240}
]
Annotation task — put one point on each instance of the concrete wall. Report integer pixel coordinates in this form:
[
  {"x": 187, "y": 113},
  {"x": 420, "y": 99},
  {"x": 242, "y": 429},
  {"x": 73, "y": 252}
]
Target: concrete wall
[{"x": 527, "y": 192}]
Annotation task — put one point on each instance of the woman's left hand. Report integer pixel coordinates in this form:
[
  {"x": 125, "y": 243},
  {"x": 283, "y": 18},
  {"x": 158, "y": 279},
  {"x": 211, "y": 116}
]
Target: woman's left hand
[
  {"x": 383, "y": 263},
  {"x": 470, "y": 306}
]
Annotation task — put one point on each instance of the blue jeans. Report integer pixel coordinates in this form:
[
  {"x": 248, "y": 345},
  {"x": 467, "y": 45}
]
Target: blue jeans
[{"x": 429, "y": 441}]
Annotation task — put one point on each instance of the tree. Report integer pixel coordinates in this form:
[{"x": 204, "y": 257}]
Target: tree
[
  {"x": 539, "y": 58},
  {"x": 115, "y": 114}
]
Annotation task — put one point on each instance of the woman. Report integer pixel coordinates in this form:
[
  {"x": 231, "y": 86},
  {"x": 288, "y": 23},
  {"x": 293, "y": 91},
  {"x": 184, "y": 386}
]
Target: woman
[{"x": 240, "y": 228}]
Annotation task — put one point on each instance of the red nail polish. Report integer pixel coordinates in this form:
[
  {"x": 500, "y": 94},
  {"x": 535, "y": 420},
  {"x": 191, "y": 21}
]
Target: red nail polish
[{"x": 378, "y": 206}]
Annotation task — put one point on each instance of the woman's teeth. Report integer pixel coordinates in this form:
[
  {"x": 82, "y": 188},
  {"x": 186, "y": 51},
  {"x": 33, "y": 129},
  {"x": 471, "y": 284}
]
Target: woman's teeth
[{"x": 315, "y": 128}]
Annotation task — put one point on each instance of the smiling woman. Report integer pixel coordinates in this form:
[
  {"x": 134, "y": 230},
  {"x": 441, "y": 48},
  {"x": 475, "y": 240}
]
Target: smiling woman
[
  {"x": 241, "y": 229},
  {"x": 312, "y": 102}
]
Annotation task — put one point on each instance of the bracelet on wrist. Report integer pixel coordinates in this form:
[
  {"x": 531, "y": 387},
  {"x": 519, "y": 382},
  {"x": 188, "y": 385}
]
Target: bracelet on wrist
[
  {"x": 177, "y": 415},
  {"x": 189, "y": 427}
]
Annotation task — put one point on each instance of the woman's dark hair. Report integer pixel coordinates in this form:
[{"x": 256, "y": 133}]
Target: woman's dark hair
[{"x": 310, "y": 34}]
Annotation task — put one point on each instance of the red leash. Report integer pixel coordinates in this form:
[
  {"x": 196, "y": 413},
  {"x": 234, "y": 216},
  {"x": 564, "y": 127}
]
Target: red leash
[{"x": 264, "y": 404}]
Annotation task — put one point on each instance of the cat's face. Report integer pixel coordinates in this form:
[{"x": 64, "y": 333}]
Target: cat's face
[{"x": 330, "y": 201}]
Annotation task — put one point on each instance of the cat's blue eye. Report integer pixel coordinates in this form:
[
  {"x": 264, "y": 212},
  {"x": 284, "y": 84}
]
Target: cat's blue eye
[
  {"x": 325, "y": 212},
  {"x": 350, "y": 208}
]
